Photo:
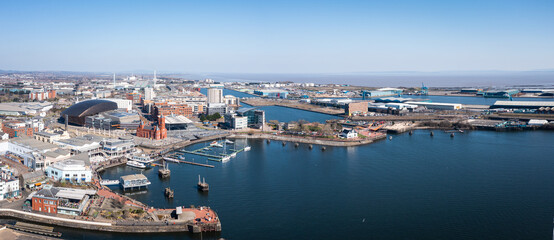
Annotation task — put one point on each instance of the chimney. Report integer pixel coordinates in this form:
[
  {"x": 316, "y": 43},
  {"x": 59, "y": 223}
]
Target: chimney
[{"x": 66, "y": 122}]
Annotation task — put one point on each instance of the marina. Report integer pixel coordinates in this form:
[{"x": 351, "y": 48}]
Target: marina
[
  {"x": 425, "y": 182},
  {"x": 213, "y": 155}
]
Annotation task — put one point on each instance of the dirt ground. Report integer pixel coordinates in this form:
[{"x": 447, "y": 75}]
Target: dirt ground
[{"x": 10, "y": 234}]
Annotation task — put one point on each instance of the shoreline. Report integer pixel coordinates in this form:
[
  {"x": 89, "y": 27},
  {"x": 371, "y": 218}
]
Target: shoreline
[
  {"x": 306, "y": 140},
  {"x": 138, "y": 227}
]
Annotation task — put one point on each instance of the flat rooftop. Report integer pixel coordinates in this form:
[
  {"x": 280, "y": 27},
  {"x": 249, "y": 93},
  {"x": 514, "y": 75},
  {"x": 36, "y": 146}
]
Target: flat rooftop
[
  {"x": 131, "y": 177},
  {"x": 520, "y": 104}
]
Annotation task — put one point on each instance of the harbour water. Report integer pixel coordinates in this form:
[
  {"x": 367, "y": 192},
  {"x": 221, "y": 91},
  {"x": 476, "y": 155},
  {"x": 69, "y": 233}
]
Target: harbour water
[{"x": 479, "y": 184}]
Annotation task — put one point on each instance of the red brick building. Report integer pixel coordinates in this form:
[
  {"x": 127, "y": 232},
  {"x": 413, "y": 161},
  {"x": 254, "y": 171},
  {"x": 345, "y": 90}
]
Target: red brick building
[
  {"x": 40, "y": 96},
  {"x": 153, "y": 132},
  {"x": 134, "y": 97},
  {"x": 172, "y": 109},
  {"x": 18, "y": 129},
  {"x": 45, "y": 201}
]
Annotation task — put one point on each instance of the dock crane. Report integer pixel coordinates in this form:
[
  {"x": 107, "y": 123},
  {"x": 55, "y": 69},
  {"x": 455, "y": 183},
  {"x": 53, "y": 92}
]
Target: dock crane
[{"x": 424, "y": 90}]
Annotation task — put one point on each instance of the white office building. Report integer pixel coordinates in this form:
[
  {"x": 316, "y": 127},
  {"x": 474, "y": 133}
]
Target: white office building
[
  {"x": 9, "y": 183},
  {"x": 149, "y": 93},
  {"x": 215, "y": 95},
  {"x": 70, "y": 171}
]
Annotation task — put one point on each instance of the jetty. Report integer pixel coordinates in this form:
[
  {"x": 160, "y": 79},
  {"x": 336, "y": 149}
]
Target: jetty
[
  {"x": 187, "y": 162},
  {"x": 34, "y": 228},
  {"x": 221, "y": 157}
]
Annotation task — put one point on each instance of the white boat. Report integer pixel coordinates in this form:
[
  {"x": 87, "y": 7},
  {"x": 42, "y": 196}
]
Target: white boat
[
  {"x": 216, "y": 144},
  {"x": 233, "y": 154},
  {"x": 171, "y": 159},
  {"x": 247, "y": 148},
  {"x": 228, "y": 141},
  {"x": 181, "y": 157},
  {"x": 143, "y": 158},
  {"x": 136, "y": 164},
  {"x": 225, "y": 159},
  {"x": 109, "y": 182}
]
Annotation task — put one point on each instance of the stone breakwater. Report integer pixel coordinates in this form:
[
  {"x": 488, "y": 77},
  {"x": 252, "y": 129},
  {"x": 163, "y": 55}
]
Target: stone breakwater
[{"x": 310, "y": 140}]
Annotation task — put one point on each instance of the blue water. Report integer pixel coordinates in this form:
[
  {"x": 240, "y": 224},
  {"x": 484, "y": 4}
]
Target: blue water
[
  {"x": 284, "y": 114},
  {"x": 477, "y": 185}
]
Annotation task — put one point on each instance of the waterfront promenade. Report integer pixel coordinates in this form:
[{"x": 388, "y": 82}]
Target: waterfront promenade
[{"x": 312, "y": 140}]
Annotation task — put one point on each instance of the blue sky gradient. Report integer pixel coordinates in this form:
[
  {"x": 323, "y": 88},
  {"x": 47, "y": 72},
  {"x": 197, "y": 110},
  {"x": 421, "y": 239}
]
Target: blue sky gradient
[{"x": 277, "y": 36}]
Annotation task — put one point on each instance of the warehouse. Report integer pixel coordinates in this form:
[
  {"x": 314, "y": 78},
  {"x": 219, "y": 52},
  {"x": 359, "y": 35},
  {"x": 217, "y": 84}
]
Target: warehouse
[
  {"x": 523, "y": 104},
  {"x": 438, "y": 106}
]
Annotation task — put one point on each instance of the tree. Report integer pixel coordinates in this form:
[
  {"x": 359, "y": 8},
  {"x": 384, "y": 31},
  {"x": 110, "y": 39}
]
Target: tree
[
  {"x": 203, "y": 118},
  {"x": 216, "y": 116}
]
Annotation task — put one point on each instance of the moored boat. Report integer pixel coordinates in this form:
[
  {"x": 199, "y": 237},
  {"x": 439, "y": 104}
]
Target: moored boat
[{"x": 136, "y": 164}]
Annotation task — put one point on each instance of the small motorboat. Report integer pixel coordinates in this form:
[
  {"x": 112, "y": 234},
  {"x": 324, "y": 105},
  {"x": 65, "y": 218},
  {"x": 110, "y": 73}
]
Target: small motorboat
[{"x": 215, "y": 144}]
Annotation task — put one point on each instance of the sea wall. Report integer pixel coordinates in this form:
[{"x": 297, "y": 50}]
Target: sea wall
[
  {"x": 124, "y": 227},
  {"x": 308, "y": 140}
]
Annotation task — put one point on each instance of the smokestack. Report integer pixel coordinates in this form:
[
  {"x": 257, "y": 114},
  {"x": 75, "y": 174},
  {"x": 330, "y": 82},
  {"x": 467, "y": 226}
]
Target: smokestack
[{"x": 66, "y": 122}]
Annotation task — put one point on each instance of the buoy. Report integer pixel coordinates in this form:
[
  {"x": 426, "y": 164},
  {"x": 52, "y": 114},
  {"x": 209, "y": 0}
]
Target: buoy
[
  {"x": 296, "y": 145},
  {"x": 284, "y": 143},
  {"x": 311, "y": 146},
  {"x": 411, "y": 132},
  {"x": 267, "y": 141},
  {"x": 432, "y": 134},
  {"x": 323, "y": 148},
  {"x": 452, "y": 135},
  {"x": 390, "y": 137}
]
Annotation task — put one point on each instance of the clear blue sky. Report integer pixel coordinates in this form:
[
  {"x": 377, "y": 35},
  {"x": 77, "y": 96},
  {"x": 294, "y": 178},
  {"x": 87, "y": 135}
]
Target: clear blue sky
[{"x": 277, "y": 36}]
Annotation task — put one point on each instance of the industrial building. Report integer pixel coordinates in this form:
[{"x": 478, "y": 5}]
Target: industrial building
[
  {"x": 384, "y": 92},
  {"x": 437, "y": 106},
  {"x": 500, "y": 93},
  {"x": 21, "y": 109},
  {"x": 78, "y": 112},
  {"x": 523, "y": 104},
  {"x": 272, "y": 93},
  {"x": 356, "y": 108}
]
